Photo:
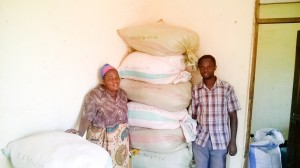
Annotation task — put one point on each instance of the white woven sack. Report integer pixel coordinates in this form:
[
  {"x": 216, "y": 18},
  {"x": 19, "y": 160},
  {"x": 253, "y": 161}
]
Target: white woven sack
[
  {"x": 56, "y": 150},
  {"x": 178, "y": 159},
  {"x": 169, "y": 97},
  {"x": 142, "y": 115},
  {"x": 264, "y": 154},
  {"x": 269, "y": 134},
  {"x": 157, "y": 70},
  {"x": 162, "y": 39},
  {"x": 157, "y": 140}
]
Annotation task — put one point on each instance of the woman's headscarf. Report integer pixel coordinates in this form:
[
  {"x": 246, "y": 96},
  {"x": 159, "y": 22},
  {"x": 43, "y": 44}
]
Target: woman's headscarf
[{"x": 105, "y": 68}]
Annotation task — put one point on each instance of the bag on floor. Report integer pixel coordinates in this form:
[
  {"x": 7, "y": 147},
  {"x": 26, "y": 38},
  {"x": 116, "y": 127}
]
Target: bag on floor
[
  {"x": 269, "y": 134},
  {"x": 264, "y": 154},
  {"x": 56, "y": 150},
  {"x": 179, "y": 159}
]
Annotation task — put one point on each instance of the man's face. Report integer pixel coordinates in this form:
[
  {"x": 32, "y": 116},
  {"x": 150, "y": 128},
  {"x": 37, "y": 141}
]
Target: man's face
[{"x": 207, "y": 68}]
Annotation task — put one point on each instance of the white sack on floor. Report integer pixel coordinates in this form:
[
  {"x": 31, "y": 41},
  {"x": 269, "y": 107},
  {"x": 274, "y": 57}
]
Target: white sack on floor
[
  {"x": 264, "y": 154},
  {"x": 179, "y": 159},
  {"x": 142, "y": 115},
  {"x": 56, "y": 150},
  {"x": 162, "y": 39},
  {"x": 152, "y": 69},
  {"x": 266, "y": 134},
  {"x": 170, "y": 97},
  {"x": 157, "y": 140}
]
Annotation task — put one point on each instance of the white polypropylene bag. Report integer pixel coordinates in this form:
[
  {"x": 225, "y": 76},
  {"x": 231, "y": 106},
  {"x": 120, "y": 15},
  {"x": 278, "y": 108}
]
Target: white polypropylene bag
[
  {"x": 153, "y": 69},
  {"x": 56, "y": 150},
  {"x": 142, "y": 115},
  {"x": 269, "y": 134},
  {"x": 264, "y": 154},
  {"x": 157, "y": 140},
  {"x": 178, "y": 159},
  {"x": 163, "y": 39},
  {"x": 170, "y": 97}
]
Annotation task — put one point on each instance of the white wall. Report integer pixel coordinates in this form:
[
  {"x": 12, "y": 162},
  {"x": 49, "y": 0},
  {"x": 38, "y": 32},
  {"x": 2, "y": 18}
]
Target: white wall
[{"x": 50, "y": 52}]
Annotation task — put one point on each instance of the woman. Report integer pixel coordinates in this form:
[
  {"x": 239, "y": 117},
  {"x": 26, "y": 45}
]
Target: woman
[{"x": 104, "y": 117}]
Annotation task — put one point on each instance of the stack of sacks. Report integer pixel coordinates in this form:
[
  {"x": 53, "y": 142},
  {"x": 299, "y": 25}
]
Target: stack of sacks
[{"x": 159, "y": 87}]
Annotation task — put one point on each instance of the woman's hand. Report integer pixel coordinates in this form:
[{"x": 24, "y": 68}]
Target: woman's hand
[
  {"x": 84, "y": 124},
  {"x": 73, "y": 131}
]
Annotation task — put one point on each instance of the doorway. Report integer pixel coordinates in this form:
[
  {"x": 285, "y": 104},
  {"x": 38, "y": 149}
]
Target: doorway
[
  {"x": 294, "y": 136},
  {"x": 272, "y": 78},
  {"x": 273, "y": 85}
]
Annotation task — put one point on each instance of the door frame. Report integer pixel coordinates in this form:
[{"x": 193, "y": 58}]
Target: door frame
[
  {"x": 294, "y": 117},
  {"x": 257, "y": 22}
]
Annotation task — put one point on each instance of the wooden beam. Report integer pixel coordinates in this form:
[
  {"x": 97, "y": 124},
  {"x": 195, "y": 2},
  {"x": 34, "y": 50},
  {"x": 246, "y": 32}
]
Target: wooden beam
[
  {"x": 278, "y": 20},
  {"x": 274, "y": 3},
  {"x": 251, "y": 90}
]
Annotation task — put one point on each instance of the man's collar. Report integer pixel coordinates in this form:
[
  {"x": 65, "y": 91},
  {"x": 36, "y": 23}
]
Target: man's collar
[{"x": 218, "y": 83}]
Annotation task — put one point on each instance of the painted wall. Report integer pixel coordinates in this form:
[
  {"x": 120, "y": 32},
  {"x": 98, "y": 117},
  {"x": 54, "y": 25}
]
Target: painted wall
[{"x": 50, "y": 52}]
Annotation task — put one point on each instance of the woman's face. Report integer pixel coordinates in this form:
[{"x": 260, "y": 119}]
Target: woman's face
[{"x": 111, "y": 80}]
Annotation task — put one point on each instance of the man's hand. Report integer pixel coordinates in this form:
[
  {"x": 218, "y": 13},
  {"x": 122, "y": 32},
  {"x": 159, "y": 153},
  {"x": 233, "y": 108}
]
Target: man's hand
[{"x": 232, "y": 149}]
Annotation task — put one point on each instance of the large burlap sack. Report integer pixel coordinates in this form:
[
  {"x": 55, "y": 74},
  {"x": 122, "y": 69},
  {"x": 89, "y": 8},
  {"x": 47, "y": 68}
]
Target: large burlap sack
[
  {"x": 157, "y": 140},
  {"x": 179, "y": 159},
  {"x": 142, "y": 115},
  {"x": 156, "y": 70},
  {"x": 162, "y": 39},
  {"x": 170, "y": 97},
  {"x": 56, "y": 150}
]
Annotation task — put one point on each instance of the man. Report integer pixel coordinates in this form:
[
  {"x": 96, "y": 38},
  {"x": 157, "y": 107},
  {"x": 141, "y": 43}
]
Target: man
[{"x": 214, "y": 106}]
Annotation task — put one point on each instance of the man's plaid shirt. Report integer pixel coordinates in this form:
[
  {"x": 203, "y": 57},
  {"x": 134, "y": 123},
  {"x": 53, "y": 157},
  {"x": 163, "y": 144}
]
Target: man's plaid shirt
[{"x": 211, "y": 108}]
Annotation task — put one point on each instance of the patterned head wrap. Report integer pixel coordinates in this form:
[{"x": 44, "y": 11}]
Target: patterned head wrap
[{"x": 105, "y": 69}]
